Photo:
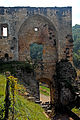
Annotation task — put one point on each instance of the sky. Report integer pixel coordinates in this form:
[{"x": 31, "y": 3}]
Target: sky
[{"x": 47, "y": 3}]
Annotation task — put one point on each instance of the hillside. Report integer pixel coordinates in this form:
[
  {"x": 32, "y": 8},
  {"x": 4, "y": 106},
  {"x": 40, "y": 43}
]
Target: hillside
[
  {"x": 24, "y": 109},
  {"x": 76, "y": 50}
]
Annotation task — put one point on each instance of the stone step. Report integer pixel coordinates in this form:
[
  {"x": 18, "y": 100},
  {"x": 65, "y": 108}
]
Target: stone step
[
  {"x": 49, "y": 111},
  {"x": 44, "y": 106},
  {"x": 79, "y": 96},
  {"x": 38, "y": 102},
  {"x": 31, "y": 99},
  {"x": 27, "y": 94},
  {"x": 77, "y": 93}
]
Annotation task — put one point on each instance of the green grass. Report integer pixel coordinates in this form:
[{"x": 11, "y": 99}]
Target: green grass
[
  {"x": 76, "y": 111},
  {"x": 2, "y": 85},
  {"x": 2, "y": 93},
  {"x": 45, "y": 90},
  {"x": 24, "y": 109}
]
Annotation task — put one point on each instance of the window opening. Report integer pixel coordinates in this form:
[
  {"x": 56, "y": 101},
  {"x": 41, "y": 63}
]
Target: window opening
[
  {"x": 36, "y": 29},
  {"x": 5, "y": 31},
  {"x": 36, "y": 51}
]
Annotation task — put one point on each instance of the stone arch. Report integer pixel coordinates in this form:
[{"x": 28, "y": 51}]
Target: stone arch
[
  {"x": 44, "y": 83},
  {"x": 45, "y": 80},
  {"x": 39, "y": 29},
  {"x": 51, "y": 86}
]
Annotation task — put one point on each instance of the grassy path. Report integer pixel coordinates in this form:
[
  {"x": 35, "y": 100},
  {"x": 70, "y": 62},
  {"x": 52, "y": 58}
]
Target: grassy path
[{"x": 44, "y": 98}]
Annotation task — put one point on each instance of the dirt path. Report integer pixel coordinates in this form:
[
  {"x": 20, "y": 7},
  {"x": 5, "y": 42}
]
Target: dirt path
[{"x": 44, "y": 98}]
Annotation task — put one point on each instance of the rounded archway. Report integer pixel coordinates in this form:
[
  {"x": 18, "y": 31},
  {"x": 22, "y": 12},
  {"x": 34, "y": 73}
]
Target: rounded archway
[{"x": 39, "y": 29}]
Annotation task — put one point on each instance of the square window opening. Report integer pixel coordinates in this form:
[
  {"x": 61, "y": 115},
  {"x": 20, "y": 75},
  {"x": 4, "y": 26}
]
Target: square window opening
[{"x": 4, "y": 30}]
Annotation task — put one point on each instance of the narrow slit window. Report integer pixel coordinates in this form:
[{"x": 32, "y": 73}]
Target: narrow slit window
[{"x": 5, "y": 31}]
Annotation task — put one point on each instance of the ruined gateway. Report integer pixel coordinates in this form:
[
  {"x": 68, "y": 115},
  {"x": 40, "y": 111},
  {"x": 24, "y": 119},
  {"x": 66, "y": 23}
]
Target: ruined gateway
[{"x": 51, "y": 27}]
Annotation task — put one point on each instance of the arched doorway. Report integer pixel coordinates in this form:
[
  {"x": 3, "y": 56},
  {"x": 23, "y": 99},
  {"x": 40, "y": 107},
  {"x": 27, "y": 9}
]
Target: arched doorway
[
  {"x": 44, "y": 92},
  {"x": 40, "y": 30}
]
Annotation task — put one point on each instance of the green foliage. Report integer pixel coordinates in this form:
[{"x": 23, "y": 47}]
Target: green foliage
[
  {"x": 45, "y": 90},
  {"x": 36, "y": 51},
  {"x": 2, "y": 86},
  {"x": 23, "y": 109},
  {"x": 76, "y": 111},
  {"x": 13, "y": 65},
  {"x": 2, "y": 95},
  {"x": 76, "y": 32},
  {"x": 26, "y": 110},
  {"x": 13, "y": 84},
  {"x": 2, "y": 109},
  {"x": 76, "y": 49}
]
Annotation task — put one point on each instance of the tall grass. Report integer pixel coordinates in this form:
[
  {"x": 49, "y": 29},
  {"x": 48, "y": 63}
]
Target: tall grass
[{"x": 24, "y": 109}]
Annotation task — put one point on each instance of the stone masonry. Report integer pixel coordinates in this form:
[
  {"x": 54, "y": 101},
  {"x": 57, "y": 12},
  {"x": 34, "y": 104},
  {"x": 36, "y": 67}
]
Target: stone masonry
[{"x": 51, "y": 27}]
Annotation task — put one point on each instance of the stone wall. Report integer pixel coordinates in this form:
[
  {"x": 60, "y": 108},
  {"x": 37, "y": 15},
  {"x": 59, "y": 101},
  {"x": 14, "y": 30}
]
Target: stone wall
[
  {"x": 51, "y": 27},
  {"x": 30, "y": 82},
  {"x": 14, "y": 18}
]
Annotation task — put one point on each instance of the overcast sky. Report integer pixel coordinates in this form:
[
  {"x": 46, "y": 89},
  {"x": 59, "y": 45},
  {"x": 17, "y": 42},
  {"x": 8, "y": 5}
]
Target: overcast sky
[{"x": 47, "y": 3}]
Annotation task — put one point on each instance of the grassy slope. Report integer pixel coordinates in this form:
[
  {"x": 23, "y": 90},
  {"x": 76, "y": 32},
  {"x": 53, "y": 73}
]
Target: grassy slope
[
  {"x": 76, "y": 111},
  {"x": 2, "y": 85},
  {"x": 24, "y": 109},
  {"x": 44, "y": 90}
]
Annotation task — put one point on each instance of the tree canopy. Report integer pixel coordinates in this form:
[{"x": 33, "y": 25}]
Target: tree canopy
[{"x": 76, "y": 49}]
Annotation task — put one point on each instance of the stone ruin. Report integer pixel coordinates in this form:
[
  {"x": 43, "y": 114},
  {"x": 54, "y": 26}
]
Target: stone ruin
[{"x": 50, "y": 27}]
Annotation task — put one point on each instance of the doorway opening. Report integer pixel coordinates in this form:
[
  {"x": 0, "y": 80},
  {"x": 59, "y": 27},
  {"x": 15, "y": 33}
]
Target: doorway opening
[{"x": 44, "y": 92}]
